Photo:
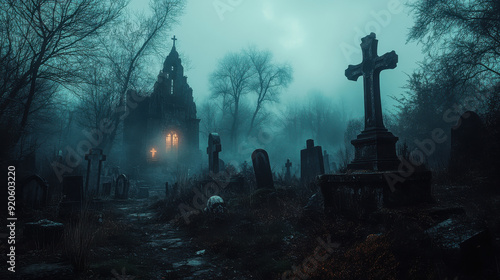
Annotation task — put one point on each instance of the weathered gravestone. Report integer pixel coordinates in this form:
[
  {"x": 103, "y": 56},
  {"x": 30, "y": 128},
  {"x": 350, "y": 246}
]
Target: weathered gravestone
[
  {"x": 262, "y": 169},
  {"x": 467, "y": 143},
  {"x": 122, "y": 187},
  {"x": 288, "y": 174},
  {"x": 376, "y": 178},
  {"x": 326, "y": 162},
  {"x": 311, "y": 162},
  {"x": 95, "y": 157},
  {"x": 462, "y": 243},
  {"x": 71, "y": 205},
  {"x": 73, "y": 188},
  {"x": 213, "y": 149},
  {"x": 33, "y": 192}
]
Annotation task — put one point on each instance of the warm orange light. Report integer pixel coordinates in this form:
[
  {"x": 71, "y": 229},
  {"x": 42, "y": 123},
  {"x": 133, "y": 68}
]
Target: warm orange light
[
  {"x": 168, "y": 141},
  {"x": 153, "y": 152},
  {"x": 175, "y": 140}
]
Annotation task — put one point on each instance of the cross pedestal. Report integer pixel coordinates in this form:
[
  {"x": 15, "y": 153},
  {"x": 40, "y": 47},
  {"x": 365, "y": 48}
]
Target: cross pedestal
[{"x": 375, "y": 147}]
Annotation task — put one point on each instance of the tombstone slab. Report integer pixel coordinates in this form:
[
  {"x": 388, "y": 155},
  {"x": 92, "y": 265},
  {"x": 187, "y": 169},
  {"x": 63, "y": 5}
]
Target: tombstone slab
[
  {"x": 262, "y": 169},
  {"x": 326, "y": 161},
  {"x": 360, "y": 194},
  {"x": 33, "y": 192},
  {"x": 122, "y": 187},
  {"x": 213, "y": 149},
  {"x": 311, "y": 162},
  {"x": 467, "y": 143},
  {"x": 73, "y": 188},
  {"x": 288, "y": 174}
]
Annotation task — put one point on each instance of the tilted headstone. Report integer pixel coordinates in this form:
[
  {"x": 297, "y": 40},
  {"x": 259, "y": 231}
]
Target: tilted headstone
[
  {"x": 467, "y": 143},
  {"x": 34, "y": 190},
  {"x": 326, "y": 162},
  {"x": 311, "y": 162},
  {"x": 375, "y": 147},
  {"x": 73, "y": 187},
  {"x": 262, "y": 169},
  {"x": 95, "y": 157},
  {"x": 122, "y": 187},
  {"x": 213, "y": 149},
  {"x": 288, "y": 174}
]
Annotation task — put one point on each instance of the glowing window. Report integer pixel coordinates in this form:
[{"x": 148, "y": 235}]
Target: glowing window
[{"x": 172, "y": 141}]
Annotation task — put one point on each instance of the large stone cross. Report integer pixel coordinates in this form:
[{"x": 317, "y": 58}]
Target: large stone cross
[
  {"x": 370, "y": 69},
  {"x": 375, "y": 146}
]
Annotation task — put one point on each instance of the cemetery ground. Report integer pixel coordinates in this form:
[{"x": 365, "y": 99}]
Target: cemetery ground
[{"x": 275, "y": 233}]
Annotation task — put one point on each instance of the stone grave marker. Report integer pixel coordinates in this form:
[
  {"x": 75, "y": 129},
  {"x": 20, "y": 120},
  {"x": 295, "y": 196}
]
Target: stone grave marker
[
  {"x": 213, "y": 149},
  {"x": 326, "y": 162},
  {"x": 311, "y": 162},
  {"x": 122, "y": 187},
  {"x": 467, "y": 143},
  {"x": 34, "y": 190},
  {"x": 95, "y": 157},
  {"x": 73, "y": 187},
  {"x": 288, "y": 174},
  {"x": 262, "y": 169},
  {"x": 71, "y": 205}
]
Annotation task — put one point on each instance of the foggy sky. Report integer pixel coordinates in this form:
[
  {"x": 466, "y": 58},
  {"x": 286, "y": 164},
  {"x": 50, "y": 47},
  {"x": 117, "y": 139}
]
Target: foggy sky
[{"x": 318, "y": 38}]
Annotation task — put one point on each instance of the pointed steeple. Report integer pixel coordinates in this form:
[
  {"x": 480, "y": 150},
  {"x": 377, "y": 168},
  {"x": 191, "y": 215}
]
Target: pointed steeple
[{"x": 174, "y": 39}]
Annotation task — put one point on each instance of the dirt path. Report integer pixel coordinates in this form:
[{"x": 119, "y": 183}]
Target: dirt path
[{"x": 158, "y": 250}]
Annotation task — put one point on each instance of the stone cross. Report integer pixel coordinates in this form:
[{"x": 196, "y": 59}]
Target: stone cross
[
  {"x": 94, "y": 154},
  {"x": 213, "y": 149},
  {"x": 375, "y": 147},
  {"x": 153, "y": 152},
  {"x": 370, "y": 69},
  {"x": 288, "y": 175},
  {"x": 174, "y": 39}
]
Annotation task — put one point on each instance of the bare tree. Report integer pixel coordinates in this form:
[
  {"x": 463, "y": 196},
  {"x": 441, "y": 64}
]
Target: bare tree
[
  {"x": 45, "y": 41},
  {"x": 269, "y": 80},
  {"x": 464, "y": 32},
  {"x": 231, "y": 81}
]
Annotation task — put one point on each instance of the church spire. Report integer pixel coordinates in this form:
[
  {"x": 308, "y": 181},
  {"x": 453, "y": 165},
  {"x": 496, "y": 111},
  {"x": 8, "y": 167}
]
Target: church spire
[{"x": 174, "y": 39}]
